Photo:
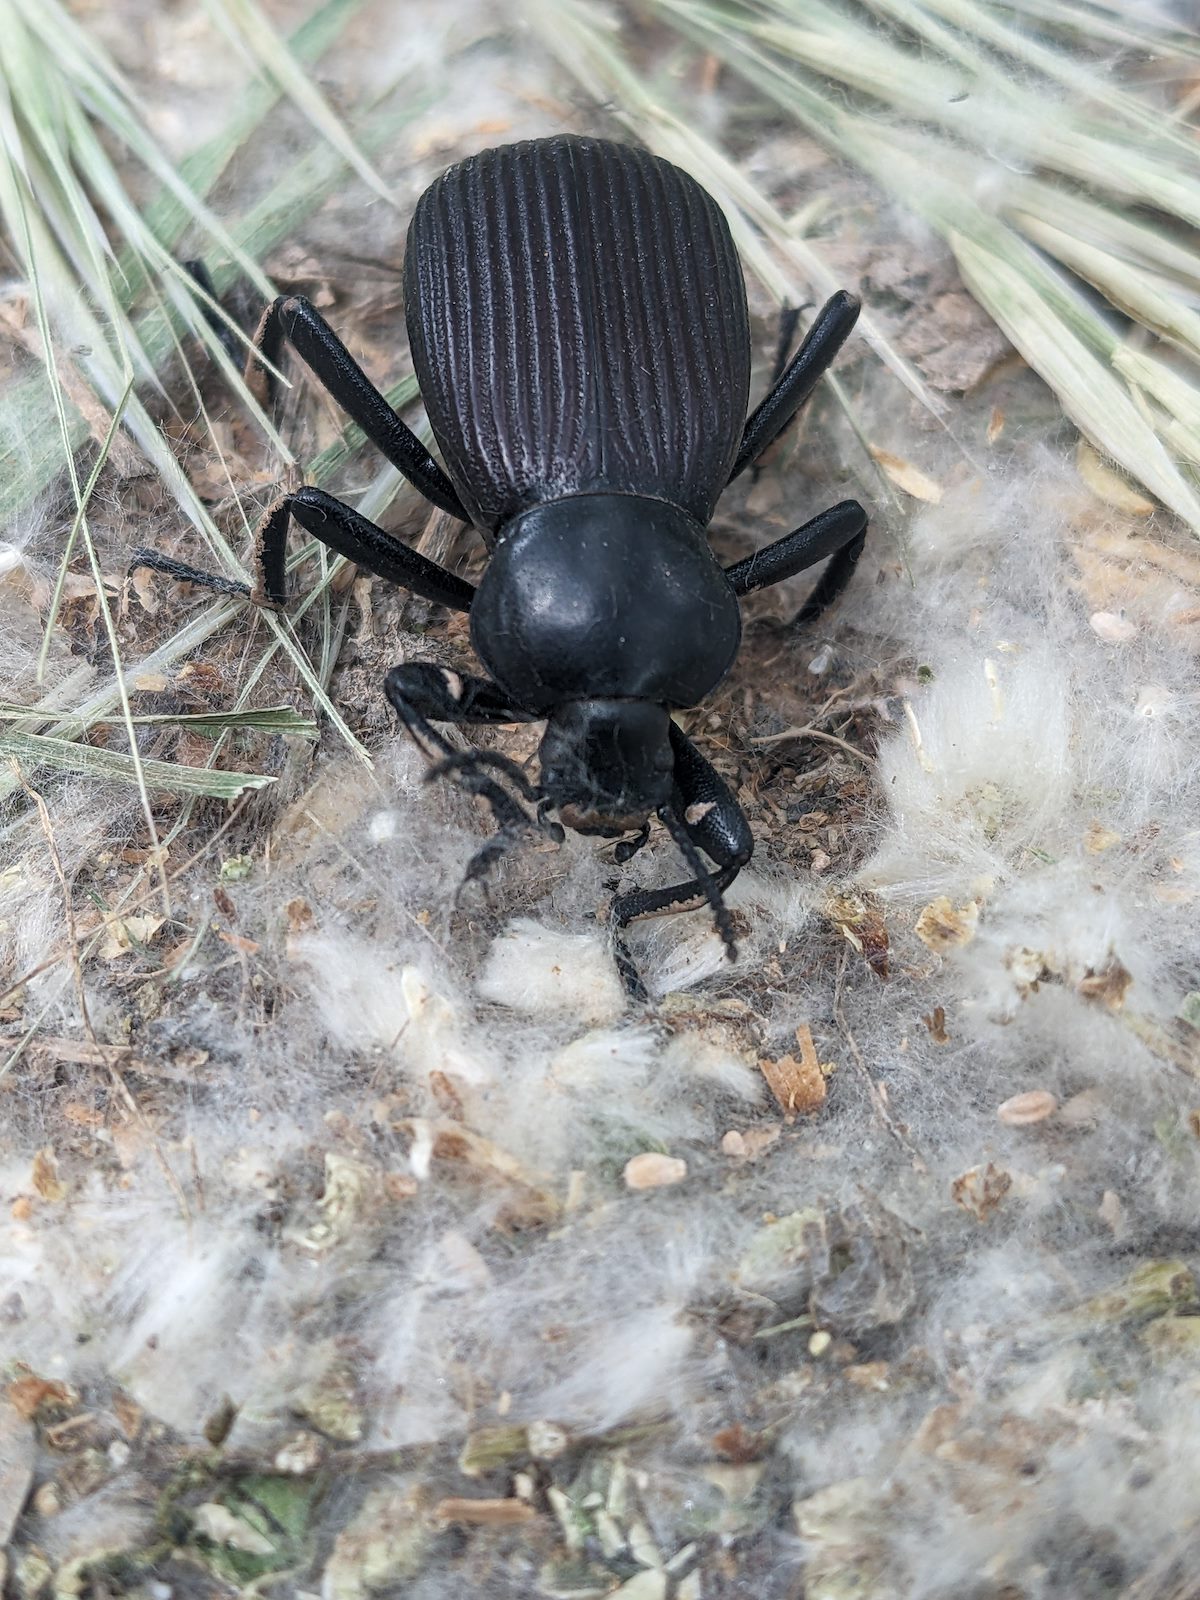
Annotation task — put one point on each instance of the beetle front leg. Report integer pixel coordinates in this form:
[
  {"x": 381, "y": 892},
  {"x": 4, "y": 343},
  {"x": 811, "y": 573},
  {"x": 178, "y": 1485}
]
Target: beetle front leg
[
  {"x": 296, "y": 320},
  {"x": 703, "y": 815},
  {"x": 816, "y": 354},
  {"x": 423, "y": 694}
]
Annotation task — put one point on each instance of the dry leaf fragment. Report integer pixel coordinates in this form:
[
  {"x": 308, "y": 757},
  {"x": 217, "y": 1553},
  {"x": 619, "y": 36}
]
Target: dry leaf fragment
[
  {"x": 247, "y": 947},
  {"x": 749, "y": 1144},
  {"x": 486, "y": 1513},
  {"x": 905, "y": 476},
  {"x": 862, "y": 926},
  {"x": 995, "y": 425},
  {"x": 943, "y": 926},
  {"x": 1108, "y": 485},
  {"x": 128, "y": 933},
  {"x": 530, "y": 1202},
  {"x": 980, "y": 1190},
  {"x": 1108, "y": 985},
  {"x": 29, "y": 1394},
  {"x": 1022, "y": 1110},
  {"x": 651, "y": 1170},
  {"x": 45, "y": 1176},
  {"x": 737, "y": 1444},
  {"x": 798, "y": 1086},
  {"x": 1097, "y": 838}
]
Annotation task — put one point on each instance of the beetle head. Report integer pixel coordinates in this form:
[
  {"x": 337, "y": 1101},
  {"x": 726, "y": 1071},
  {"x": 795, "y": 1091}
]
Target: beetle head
[{"x": 607, "y": 765}]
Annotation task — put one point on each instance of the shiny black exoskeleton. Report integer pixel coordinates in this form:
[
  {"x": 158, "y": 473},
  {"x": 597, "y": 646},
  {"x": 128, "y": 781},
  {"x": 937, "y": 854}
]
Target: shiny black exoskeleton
[{"x": 578, "y": 323}]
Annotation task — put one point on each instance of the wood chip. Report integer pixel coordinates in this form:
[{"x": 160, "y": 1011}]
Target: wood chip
[
  {"x": 653, "y": 1171},
  {"x": 484, "y": 1513},
  {"x": 935, "y": 1021},
  {"x": 798, "y": 1086},
  {"x": 1022, "y": 1110}
]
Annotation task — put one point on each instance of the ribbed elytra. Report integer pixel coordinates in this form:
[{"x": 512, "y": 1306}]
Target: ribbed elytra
[{"x": 577, "y": 317}]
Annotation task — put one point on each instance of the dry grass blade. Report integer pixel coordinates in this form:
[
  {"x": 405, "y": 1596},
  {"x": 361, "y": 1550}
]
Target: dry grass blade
[
  {"x": 112, "y": 766},
  {"x": 784, "y": 261},
  {"x": 1086, "y": 168},
  {"x": 109, "y": 289},
  {"x": 249, "y": 27}
]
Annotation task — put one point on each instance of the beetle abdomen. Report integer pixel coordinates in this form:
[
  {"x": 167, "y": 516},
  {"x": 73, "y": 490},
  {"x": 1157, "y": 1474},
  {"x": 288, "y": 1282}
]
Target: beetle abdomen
[{"x": 577, "y": 316}]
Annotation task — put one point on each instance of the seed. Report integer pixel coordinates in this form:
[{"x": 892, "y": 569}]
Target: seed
[{"x": 1035, "y": 1105}]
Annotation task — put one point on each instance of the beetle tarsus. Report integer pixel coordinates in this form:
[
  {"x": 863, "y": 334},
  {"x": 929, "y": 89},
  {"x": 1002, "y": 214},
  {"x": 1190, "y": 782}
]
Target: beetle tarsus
[{"x": 184, "y": 573}]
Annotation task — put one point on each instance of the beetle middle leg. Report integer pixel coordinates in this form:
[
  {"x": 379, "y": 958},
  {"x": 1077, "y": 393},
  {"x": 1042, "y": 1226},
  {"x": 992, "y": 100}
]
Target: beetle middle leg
[
  {"x": 341, "y": 528},
  {"x": 296, "y": 320},
  {"x": 816, "y": 354},
  {"x": 839, "y": 532}
]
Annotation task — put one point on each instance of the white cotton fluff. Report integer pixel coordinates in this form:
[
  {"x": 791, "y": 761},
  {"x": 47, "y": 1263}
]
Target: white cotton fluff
[{"x": 537, "y": 969}]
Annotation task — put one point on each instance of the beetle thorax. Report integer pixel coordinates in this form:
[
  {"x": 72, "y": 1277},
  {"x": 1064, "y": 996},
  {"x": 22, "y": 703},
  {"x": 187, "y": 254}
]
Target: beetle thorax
[{"x": 605, "y": 597}]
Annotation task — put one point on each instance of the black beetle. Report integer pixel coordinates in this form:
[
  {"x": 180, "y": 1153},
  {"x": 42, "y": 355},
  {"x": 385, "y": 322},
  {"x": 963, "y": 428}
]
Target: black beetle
[{"x": 577, "y": 317}]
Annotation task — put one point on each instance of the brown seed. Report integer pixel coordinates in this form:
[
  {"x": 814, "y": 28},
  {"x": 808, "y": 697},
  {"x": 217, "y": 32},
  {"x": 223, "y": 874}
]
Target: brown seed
[{"x": 1035, "y": 1105}]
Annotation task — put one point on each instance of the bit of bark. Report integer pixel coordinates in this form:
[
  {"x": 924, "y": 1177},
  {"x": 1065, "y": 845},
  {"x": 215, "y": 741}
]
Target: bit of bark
[
  {"x": 798, "y": 1086},
  {"x": 484, "y": 1513}
]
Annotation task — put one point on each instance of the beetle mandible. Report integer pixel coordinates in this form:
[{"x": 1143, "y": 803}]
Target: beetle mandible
[{"x": 577, "y": 317}]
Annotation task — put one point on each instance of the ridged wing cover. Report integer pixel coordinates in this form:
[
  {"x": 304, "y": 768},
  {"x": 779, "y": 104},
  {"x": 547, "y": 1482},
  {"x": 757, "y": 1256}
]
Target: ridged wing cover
[{"x": 577, "y": 316}]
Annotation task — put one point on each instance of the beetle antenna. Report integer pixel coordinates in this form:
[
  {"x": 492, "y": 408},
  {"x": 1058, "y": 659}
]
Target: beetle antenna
[{"x": 706, "y": 881}]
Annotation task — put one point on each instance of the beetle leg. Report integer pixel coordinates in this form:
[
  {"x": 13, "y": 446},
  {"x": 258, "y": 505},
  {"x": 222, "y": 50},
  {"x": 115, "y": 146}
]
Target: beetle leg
[
  {"x": 436, "y": 694},
  {"x": 839, "y": 532},
  {"x": 423, "y": 694},
  {"x": 295, "y": 319},
  {"x": 339, "y": 527},
  {"x": 817, "y": 352},
  {"x": 352, "y": 535},
  {"x": 702, "y": 816},
  {"x": 705, "y": 805}
]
